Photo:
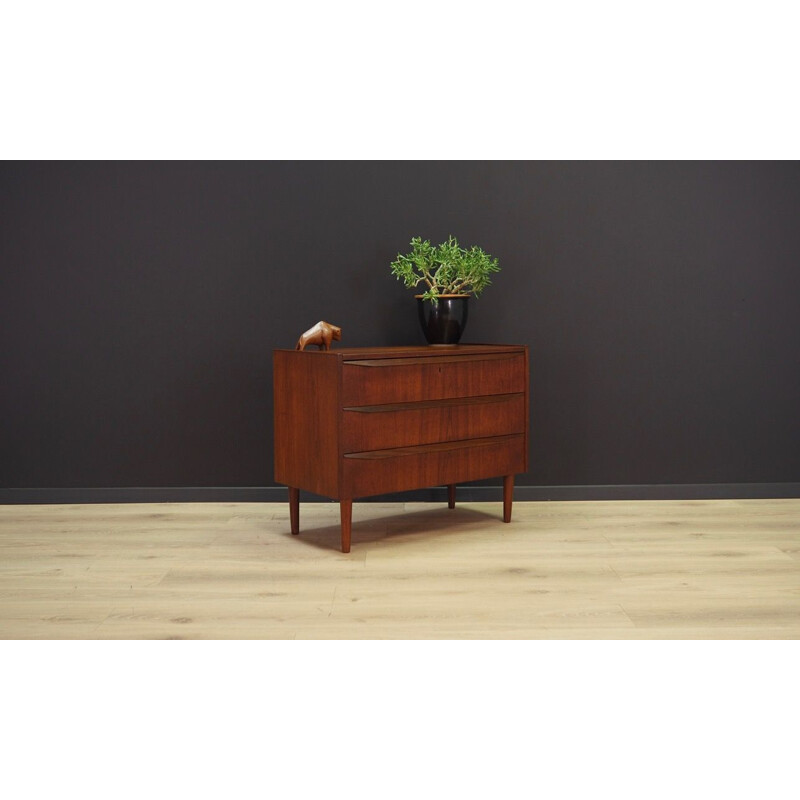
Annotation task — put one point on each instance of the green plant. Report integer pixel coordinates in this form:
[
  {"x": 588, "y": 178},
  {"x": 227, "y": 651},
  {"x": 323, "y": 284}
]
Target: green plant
[{"x": 445, "y": 269}]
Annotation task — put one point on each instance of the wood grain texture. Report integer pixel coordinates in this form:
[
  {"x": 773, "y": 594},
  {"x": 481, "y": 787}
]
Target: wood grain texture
[
  {"x": 703, "y": 569},
  {"x": 424, "y": 351},
  {"x": 399, "y": 425},
  {"x": 346, "y": 521},
  {"x": 439, "y": 357},
  {"x": 382, "y": 471},
  {"x": 431, "y": 380},
  {"x": 349, "y": 427},
  {"x": 306, "y": 420},
  {"x": 321, "y": 334},
  {"x": 508, "y": 496},
  {"x": 294, "y": 509}
]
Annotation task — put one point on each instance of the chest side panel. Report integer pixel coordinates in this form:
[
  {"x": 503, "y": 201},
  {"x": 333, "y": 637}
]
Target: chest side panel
[{"x": 307, "y": 412}]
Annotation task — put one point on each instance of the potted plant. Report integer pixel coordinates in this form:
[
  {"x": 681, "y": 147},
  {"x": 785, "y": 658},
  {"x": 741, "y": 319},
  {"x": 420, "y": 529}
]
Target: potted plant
[{"x": 451, "y": 274}]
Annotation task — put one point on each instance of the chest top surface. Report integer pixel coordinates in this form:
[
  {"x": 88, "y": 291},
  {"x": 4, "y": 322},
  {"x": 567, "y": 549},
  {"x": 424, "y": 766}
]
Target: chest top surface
[{"x": 412, "y": 351}]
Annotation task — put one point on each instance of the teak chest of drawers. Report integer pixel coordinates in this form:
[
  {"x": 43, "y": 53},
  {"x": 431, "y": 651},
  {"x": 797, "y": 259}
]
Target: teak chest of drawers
[{"x": 356, "y": 422}]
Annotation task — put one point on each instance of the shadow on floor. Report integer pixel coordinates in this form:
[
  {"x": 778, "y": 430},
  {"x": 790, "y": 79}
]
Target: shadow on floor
[{"x": 427, "y": 523}]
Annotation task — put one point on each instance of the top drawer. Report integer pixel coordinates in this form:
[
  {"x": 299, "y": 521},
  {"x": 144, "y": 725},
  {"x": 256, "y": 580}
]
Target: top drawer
[{"x": 401, "y": 380}]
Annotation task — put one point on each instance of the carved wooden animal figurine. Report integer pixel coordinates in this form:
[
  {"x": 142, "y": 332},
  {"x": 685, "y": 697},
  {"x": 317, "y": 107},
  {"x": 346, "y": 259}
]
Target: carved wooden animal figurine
[{"x": 321, "y": 334}]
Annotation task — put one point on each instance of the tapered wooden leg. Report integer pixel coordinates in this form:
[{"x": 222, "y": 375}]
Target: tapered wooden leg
[
  {"x": 346, "y": 509},
  {"x": 451, "y": 495},
  {"x": 508, "y": 495},
  {"x": 294, "y": 509}
]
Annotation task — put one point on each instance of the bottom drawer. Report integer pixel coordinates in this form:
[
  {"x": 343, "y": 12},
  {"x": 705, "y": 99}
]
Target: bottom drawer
[{"x": 383, "y": 471}]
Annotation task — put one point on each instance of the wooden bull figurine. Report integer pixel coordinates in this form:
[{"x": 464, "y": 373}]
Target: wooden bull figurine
[{"x": 321, "y": 334}]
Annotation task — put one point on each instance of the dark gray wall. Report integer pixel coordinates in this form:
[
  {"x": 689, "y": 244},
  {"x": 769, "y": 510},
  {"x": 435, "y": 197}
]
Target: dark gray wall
[{"x": 139, "y": 303}]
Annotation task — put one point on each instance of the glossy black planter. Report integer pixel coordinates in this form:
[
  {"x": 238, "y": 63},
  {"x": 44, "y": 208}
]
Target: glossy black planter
[{"x": 443, "y": 322}]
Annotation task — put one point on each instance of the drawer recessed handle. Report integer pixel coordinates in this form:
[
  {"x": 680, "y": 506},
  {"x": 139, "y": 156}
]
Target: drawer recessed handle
[
  {"x": 430, "y": 361},
  {"x": 417, "y": 405},
  {"x": 437, "y": 447}
]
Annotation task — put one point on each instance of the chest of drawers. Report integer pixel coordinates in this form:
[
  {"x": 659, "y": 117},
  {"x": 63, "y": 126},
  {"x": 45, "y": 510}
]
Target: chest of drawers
[{"x": 356, "y": 422}]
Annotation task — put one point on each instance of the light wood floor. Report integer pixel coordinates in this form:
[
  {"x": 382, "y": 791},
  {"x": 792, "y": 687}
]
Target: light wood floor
[{"x": 619, "y": 569}]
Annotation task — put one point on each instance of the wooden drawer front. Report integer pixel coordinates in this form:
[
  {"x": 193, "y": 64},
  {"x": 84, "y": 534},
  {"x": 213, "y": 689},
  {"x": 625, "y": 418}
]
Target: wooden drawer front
[
  {"x": 367, "y": 474},
  {"x": 399, "y": 425},
  {"x": 388, "y": 381}
]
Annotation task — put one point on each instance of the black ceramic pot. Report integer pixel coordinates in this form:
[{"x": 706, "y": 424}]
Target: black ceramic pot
[{"x": 443, "y": 322}]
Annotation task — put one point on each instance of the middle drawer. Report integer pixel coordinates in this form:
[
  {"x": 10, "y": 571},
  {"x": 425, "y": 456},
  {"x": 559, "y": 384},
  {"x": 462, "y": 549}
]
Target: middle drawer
[{"x": 406, "y": 424}]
